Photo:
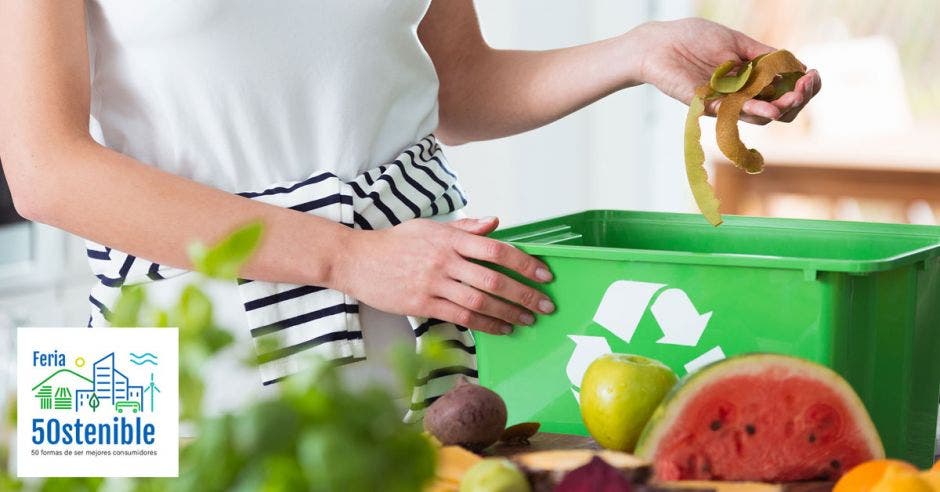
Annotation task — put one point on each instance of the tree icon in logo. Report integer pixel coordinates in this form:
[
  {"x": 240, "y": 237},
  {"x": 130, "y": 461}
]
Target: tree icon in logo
[{"x": 94, "y": 402}]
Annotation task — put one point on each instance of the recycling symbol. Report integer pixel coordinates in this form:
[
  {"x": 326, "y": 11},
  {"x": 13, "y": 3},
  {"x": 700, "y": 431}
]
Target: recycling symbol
[{"x": 620, "y": 311}]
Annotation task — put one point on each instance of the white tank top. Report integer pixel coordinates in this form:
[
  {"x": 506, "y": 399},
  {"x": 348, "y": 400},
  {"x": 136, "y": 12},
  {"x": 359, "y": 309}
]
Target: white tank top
[{"x": 240, "y": 94}]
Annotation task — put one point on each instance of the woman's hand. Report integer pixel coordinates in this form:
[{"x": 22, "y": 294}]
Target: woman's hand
[
  {"x": 679, "y": 56},
  {"x": 424, "y": 268}
]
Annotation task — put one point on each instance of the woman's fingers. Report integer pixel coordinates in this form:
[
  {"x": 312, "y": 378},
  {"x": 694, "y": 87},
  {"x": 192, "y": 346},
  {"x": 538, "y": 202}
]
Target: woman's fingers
[
  {"x": 502, "y": 254},
  {"x": 754, "y": 111},
  {"x": 760, "y": 109},
  {"x": 493, "y": 282},
  {"x": 790, "y": 104},
  {"x": 785, "y": 108},
  {"x": 480, "y": 302},
  {"x": 480, "y": 227},
  {"x": 793, "y": 102},
  {"x": 446, "y": 310}
]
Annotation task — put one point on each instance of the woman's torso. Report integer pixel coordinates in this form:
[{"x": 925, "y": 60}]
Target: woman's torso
[{"x": 240, "y": 94}]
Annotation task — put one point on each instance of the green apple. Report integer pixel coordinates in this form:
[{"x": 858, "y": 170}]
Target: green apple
[
  {"x": 494, "y": 475},
  {"x": 619, "y": 393}
]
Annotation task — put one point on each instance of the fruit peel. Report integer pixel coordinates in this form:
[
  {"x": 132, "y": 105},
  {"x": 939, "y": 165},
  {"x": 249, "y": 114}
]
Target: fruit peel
[
  {"x": 727, "y": 84},
  {"x": 702, "y": 191},
  {"x": 453, "y": 462},
  {"x": 519, "y": 434},
  {"x": 729, "y": 140},
  {"x": 766, "y": 77}
]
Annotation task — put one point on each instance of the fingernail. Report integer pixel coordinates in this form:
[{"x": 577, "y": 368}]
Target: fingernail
[
  {"x": 526, "y": 319},
  {"x": 546, "y": 306},
  {"x": 505, "y": 329},
  {"x": 543, "y": 274},
  {"x": 488, "y": 218}
]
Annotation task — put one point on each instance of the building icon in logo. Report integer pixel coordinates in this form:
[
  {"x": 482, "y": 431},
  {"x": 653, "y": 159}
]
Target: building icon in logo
[
  {"x": 110, "y": 384},
  {"x": 107, "y": 384}
]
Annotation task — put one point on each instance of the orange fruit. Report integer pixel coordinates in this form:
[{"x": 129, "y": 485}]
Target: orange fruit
[
  {"x": 866, "y": 475},
  {"x": 932, "y": 477},
  {"x": 897, "y": 479},
  {"x": 936, "y": 467}
]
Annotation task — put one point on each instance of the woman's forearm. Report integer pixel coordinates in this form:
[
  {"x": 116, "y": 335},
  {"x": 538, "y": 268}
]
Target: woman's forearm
[
  {"x": 504, "y": 92},
  {"x": 102, "y": 195},
  {"x": 487, "y": 93},
  {"x": 59, "y": 175}
]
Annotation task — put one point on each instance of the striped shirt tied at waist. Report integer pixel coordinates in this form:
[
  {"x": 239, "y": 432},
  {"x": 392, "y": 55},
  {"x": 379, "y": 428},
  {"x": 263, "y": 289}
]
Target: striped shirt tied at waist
[{"x": 307, "y": 324}]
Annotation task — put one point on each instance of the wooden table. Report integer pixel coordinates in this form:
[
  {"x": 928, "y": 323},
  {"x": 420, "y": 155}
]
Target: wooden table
[{"x": 895, "y": 170}]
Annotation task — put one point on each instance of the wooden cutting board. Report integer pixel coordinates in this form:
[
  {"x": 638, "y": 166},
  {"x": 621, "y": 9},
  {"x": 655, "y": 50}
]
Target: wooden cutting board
[{"x": 545, "y": 441}]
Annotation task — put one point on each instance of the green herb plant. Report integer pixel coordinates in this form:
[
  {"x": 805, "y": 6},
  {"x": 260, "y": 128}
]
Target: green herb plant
[{"x": 316, "y": 434}]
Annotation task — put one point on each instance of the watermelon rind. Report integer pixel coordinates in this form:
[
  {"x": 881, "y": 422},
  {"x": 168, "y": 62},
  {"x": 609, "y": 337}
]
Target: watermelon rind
[{"x": 685, "y": 391}]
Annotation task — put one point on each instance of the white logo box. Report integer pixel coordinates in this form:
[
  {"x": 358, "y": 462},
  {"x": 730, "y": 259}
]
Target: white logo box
[{"x": 97, "y": 402}]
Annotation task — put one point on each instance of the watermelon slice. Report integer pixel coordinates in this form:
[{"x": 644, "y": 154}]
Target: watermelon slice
[{"x": 760, "y": 417}]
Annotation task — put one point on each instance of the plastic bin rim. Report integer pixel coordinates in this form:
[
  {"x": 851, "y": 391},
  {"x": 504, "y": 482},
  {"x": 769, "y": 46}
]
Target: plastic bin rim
[{"x": 733, "y": 259}]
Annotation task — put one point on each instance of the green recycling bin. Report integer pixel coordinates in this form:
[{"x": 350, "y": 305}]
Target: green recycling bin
[{"x": 861, "y": 298}]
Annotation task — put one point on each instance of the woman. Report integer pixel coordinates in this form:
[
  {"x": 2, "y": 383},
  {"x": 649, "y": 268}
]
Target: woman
[{"x": 195, "y": 102}]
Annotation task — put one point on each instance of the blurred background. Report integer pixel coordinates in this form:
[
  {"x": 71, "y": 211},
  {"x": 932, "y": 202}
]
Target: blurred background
[{"x": 866, "y": 149}]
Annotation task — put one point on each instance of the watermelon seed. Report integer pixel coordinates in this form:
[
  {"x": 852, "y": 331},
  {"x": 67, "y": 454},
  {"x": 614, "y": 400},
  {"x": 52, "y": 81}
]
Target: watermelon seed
[
  {"x": 812, "y": 438},
  {"x": 750, "y": 429},
  {"x": 715, "y": 425},
  {"x": 835, "y": 464}
]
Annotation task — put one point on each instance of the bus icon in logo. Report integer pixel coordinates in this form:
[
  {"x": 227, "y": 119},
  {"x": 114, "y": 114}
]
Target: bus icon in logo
[{"x": 121, "y": 405}]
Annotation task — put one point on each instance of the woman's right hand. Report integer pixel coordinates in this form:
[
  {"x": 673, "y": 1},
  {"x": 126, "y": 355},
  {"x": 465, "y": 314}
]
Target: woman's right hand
[{"x": 424, "y": 268}]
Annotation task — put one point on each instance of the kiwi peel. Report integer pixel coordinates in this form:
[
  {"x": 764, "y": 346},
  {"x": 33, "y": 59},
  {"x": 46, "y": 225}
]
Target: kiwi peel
[{"x": 766, "y": 77}]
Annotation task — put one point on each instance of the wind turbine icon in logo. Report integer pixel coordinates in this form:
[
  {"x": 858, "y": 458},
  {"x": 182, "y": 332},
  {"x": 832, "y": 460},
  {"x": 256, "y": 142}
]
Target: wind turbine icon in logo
[{"x": 152, "y": 389}]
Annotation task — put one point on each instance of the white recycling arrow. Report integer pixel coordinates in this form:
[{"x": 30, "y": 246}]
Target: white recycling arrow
[
  {"x": 623, "y": 306},
  {"x": 620, "y": 311},
  {"x": 587, "y": 348},
  {"x": 713, "y": 355},
  {"x": 677, "y": 317}
]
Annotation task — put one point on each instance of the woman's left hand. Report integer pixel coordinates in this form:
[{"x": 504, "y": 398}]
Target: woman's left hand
[{"x": 679, "y": 56}]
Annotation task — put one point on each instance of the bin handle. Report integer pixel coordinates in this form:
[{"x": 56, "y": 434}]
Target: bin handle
[{"x": 548, "y": 235}]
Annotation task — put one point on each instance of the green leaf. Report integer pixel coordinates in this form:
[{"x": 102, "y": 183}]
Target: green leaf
[
  {"x": 77, "y": 484},
  {"x": 225, "y": 259},
  {"x": 160, "y": 318},
  {"x": 191, "y": 387},
  {"x": 10, "y": 483},
  {"x": 194, "y": 309},
  {"x": 215, "y": 339},
  {"x": 10, "y": 412},
  {"x": 126, "y": 312}
]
